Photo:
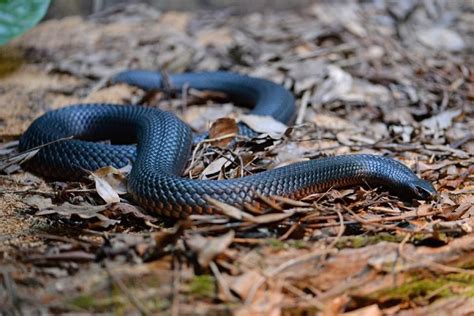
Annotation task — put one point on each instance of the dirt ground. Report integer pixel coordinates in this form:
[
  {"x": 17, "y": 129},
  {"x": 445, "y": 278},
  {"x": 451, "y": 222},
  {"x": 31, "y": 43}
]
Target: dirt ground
[{"x": 394, "y": 78}]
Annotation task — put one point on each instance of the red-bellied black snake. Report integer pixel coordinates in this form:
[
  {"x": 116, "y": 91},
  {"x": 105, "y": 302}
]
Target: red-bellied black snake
[{"x": 164, "y": 144}]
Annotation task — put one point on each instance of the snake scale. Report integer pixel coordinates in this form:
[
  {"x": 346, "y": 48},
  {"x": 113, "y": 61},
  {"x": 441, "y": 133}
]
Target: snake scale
[{"x": 164, "y": 143}]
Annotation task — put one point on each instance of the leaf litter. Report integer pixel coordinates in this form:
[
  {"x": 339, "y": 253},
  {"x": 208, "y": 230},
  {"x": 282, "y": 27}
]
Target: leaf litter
[{"x": 370, "y": 77}]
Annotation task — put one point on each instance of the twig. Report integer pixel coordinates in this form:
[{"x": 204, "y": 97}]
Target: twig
[
  {"x": 303, "y": 106},
  {"x": 342, "y": 228},
  {"x": 222, "y": 282}
]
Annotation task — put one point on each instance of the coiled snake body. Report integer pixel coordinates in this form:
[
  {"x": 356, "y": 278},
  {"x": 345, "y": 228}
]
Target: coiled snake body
[{"x": 164, "y": 144}]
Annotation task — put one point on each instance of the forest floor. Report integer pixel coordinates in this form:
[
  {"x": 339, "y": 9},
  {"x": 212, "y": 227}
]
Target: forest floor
[{"x": 389, "y": 78}]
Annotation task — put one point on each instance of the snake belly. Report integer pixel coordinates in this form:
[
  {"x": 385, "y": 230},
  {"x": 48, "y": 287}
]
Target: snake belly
[{"x": 164, "y": 143}]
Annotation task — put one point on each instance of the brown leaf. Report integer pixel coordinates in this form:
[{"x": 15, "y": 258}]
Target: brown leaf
[
  {"x": 224, "y": 131},
  {"x": 99, "y": 215},
  {"x": 242, "y": 284},
  {"x": 208, "y": 248},
  {"x": 175, "y": 20},
  {"x": 117, "y": 210},
  {"x": 330, "y": 121},
  {"x": 109, "y": 183},
  {"x": 84, "y": 211},
  {"x": 215, "y": 37},
  {"x": 265, "y": 303}
]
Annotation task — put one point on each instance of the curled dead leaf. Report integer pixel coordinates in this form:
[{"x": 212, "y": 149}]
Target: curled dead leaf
[
  {"x": 223, "y": 130},
  {"x": 110, "y": 182},
  {"x": 216, "y": 166}
]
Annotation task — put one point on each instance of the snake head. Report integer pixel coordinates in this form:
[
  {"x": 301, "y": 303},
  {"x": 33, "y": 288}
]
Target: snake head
[{"x": 422, "y": 190}]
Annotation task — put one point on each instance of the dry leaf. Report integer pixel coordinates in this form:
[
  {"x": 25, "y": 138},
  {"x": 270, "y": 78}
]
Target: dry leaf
[
  {"x": 110, "y": 182},
  {"x": 269, "y": 218},
  {"x": 216, "y": 166},
  {"x": 208, "y": 248},
  {"x": 441, "y": 39},
  {"x": 38, "y": 201},
  {"x": 223, "y": 127},
  {"x": 8, "y": 148},
  {"x": 215, "y": 37},
  {"x": 105, "y": 190},
  {"x": 264, "y": 124},
  {"x": 441, "y": 121},
  {"x": 13, "y": 163},
  {"x": 117, "y": 210},
  {"x": 102, "y": 216},
  {"x": 242, "y": 284},
  {"x": 175, "y": 20},
  {"x": 84, "y": 212},
  {"x": 330, "y": 122},
  {"x": 337, "y": 85},
  {"x": 265, "y": 303}
]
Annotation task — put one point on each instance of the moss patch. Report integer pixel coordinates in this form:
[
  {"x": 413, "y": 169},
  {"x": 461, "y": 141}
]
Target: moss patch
[
  {"x": 362, "y": 241},
  {"x": 203, "y": 286},
  {"x": 428, "y": 289},
  {"x": 277, "y": 244}
]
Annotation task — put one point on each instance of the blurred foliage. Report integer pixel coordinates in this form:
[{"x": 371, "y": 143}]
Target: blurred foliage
[{"x": 17, "y": 16}]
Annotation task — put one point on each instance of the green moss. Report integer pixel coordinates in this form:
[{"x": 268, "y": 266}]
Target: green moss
[
  {"x": 85, "y": 301},
  {"x": 442, "y": 286},
  {"x": 113, "y": 299},
  {"x": 298, "y": 244},
  {"x": 203, "y": 285},
  {"x": 364, "y": 240},
  {"x": 416, "y": 289},
  {"x": 276, "y": 244},
  {"x": 91, "y": 303}
]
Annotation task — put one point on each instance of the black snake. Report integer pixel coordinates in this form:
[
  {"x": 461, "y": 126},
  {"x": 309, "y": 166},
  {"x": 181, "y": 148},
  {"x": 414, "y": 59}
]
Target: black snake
[{"x": 164, "y": 144}]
